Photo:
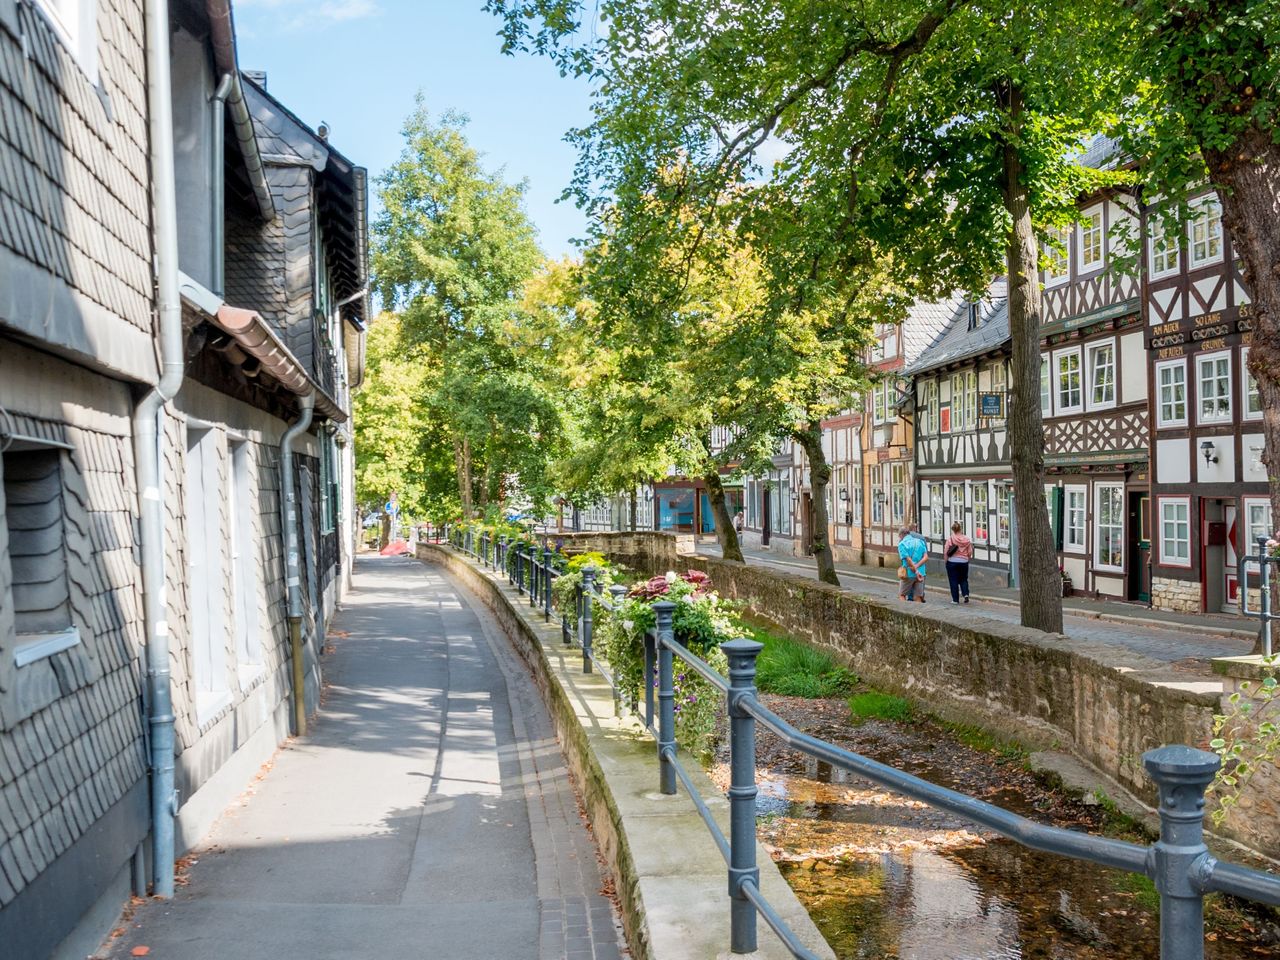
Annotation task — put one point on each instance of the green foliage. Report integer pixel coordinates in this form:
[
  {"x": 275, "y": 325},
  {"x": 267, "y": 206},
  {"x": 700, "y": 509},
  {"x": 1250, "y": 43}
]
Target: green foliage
[
  {"x": 794, "y": 669},
  {"x": 1246, "y": 736},
  {"x": 880, "y": 706}
]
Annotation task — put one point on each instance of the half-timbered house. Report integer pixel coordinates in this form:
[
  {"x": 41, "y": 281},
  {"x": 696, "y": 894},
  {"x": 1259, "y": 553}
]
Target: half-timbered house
[
  {"x": 1208, "y": 480},
  {"x": 1093, "y": 395},
  {"x": 960, "y": 395}
]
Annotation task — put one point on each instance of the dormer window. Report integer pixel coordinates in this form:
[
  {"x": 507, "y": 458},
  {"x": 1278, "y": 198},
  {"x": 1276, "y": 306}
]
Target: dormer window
[{"x": 1091, "y": 248}]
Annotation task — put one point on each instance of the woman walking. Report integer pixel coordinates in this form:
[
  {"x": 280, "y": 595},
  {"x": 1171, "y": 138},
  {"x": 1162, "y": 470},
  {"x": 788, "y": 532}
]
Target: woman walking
[{"x": 958, "y": 551}]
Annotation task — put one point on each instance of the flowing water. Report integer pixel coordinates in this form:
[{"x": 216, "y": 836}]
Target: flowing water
[{"x": 887, "y": 878}]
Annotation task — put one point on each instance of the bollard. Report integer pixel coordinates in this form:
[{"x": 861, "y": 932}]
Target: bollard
[
  {"x": 666, "y": 699},
  {"x": 742, "y": 793},
  {"x": 588, "y": 592},
  {"x": 1181, "y": 775},
  {"x": 546, "y": 585}
]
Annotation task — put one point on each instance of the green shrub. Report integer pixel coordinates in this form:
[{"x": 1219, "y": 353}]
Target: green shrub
[
  {"x": 879, "y": 706},
  {"x": 794, "y": 669}
]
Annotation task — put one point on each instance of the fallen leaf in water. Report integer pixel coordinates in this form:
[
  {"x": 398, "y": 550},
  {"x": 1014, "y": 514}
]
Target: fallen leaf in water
[{"x": 140, "y": 951}]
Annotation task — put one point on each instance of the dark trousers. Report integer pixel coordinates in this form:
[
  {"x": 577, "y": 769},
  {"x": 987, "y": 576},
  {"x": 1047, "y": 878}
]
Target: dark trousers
[{"x": 958, "y": 577}]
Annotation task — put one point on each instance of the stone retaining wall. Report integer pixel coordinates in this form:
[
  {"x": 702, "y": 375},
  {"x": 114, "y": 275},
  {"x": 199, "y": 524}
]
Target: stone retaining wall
[{"x": 671, "y": 879}]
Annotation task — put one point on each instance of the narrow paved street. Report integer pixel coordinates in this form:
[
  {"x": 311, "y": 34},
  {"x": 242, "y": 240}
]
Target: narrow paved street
[
  {"x": 428, "y": 814},
  {"x": 1149, "y": 634}
]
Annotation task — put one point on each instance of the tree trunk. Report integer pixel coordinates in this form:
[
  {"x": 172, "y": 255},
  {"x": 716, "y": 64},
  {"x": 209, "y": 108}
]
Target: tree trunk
[
  {"x": 1248, "y": 176},
  {"x": 1039, "y": 581},
  {"x": 634, "y": 508},
  {"x": 810, "y": 439},
  {"x": 726, "y": 535},
  {"x": 462, "y": 462}
]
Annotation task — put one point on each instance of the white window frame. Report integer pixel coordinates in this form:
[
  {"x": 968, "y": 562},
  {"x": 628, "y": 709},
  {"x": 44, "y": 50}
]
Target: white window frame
[
  {"x": 1267, "y": 528},
  {"x": 981, "y": 512},
  {"x": 1075, "y": 537},
  {"x": 963, "y": 517},
  {"x": 1004, "y": 513},
  {"x": 77, "y": 29},
  {"x": 898, "y": 491},
  {"x": 937, "y": 503},
  {"x": 1083, "y": 234},
  {"x": 1161, "y": 242},
  {"x": 1203, "y": 360},
  {"x": 1206, "y": 211},
  {"x": 1090, "y": 350},
  {"x": 932, "y": 406},
  {"x": 1046, "y": 385},
  {"x": 1167, "y": 559},
  {"x": 1052, "y": 258},
  {"x": 971, "y": 399},
  {"x": 957, "y": 418},
  {"x": 855, "y": 497},
  {"x": 1059, "y": 408},
  {"x": 1161, "y": 420},
  {"x": 1247, "y": 381},
  {"x": 879, "y": 404},
  {"x": 1098, "y": 490},
  {"x": 877, "y": 503}
]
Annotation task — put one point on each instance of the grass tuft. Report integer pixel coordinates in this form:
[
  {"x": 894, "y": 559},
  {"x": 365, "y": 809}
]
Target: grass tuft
[
  {"x": 793, "y": 669},
  {"x": 880, "y": 706}
]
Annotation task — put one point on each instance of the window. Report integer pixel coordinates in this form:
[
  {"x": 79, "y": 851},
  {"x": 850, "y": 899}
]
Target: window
[
  {"x": 1091, "y": 251},
  {"x": 957, "y": 402},
  {"x": 1257, "y": 523},
  {"x": 957, "y": 505},
  {"x": 33, "y": 513},
  {"x": 1205, "y": 229},
  {"x": 76, "y": 24},
  {"x": 1252, "y": 399},
  {"x": 1004, "y": 513},
  {"x": 898, "y": 492},
  {"x": 1171, "y": 385},
  {"x": 1000, "y": 381},
  {"x": 328, "y": 487},
  {"x": 1073, "y": 533},
  {"x": 1069, "y": 397},
  {"x": 1175, "y": 531},
  {"x": 1046, "y": 388},
  {"x": 937, "y": 528},
  {"x": 891, "y": 399},
  {"x": 930, "y": 422},
  {"x": 1164, "y": 248},
  {"x": 1102, "y": 375},
  {"x": 244, "y": 562},
  {"x": 981, "y": 515},
  {"x": 205, "y": 574},
  {"x": 1213, "y": 383},
  {"x": 855, "y": 496},
  {"x": 1056, "y": 256},
  {"x": 877, "y": 496},
  {"x": 878, "y": 408},
  {"x": 1109, "y": 526},
  {"x": 971, "y": 399}
]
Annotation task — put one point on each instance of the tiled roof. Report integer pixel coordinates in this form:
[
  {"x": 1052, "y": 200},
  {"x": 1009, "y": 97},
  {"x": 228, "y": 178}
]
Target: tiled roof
[
  {"x": 924, "y": 322},
  {"x": 957, "y": 342},
  {"x": 1102, "y": 153}
]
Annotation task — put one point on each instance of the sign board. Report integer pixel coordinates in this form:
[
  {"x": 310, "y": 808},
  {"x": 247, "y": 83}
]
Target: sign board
[{"x": 991, "y": 405}]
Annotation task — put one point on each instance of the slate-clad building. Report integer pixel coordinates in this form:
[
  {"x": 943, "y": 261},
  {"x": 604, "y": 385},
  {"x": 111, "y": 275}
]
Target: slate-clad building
[{"x": 272, "y": 249}]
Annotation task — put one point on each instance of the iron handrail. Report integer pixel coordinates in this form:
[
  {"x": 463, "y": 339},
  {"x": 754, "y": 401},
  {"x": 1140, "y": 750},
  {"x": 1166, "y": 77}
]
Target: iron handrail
[{"x": 1178, "y": 862}]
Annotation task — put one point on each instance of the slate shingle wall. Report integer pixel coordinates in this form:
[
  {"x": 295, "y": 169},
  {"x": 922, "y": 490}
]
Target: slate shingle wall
[{"x": 73, "y": 163}]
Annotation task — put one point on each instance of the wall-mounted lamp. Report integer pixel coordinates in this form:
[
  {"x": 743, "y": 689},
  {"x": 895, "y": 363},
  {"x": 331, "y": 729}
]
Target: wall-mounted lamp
[
  {"x": 844, "y": 496},
  {"x": 1208, "y": 450}
]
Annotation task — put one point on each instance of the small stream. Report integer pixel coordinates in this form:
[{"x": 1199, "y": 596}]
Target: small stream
[{"x": 887, "y": 878}]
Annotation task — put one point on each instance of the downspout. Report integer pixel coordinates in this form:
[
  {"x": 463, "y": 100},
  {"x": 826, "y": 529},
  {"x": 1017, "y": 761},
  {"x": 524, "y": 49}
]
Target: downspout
[
  {"x": 146, "y": 440},
  {"x": 292, "y": 567},
  {"x": 219, "y": 183}
]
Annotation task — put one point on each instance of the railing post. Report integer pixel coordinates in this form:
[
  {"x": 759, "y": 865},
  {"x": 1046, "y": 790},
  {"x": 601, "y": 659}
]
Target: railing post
[
  {"x": 535, "y": 576},
  {"x": 577, "y": 615},
  {"x": 742, "y": 793},
  {"x": 1264, "y": 601},
  {"x": 588, "y": 592},
  {"x": 546, "y": 585},
  {"x": 663, "y": 610},
  {"x": 519, "y": 571},
  {"x": 1181, "y": 775}
]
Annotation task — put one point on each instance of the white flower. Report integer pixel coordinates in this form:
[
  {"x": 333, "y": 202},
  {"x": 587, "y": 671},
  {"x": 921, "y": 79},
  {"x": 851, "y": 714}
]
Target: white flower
[
  {"x": 628, "y": 625},
  {"x": 671, "y": 576}
]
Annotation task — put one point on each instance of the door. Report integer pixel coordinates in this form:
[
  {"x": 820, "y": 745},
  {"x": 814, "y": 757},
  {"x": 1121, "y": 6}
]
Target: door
[
  {"x": 1139, "y": 581},
  {"x": 1231, "y": 561},
  {"x": 1213, "y": 533}
]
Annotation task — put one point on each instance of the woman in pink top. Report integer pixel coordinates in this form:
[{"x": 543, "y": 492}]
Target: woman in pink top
[{"x": 958, "y": 551}]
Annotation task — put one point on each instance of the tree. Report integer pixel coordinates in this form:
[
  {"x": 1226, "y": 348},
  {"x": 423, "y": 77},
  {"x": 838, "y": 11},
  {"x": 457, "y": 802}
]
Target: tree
[
  {"x": 1206, "y": 83},
  {"x": 453, "y": 250},
  {"x": 929, "y": 141}
]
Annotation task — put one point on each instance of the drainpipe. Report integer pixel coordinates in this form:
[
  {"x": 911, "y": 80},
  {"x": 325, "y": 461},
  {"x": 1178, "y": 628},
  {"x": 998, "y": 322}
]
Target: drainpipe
[
  {"x": 146, "y": 440},
  {"x": 292, "y": 567},
  {"x": 218, "y": 181}
]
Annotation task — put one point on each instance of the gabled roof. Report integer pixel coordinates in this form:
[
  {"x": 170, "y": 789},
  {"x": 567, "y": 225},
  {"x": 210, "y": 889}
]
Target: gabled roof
[{"x": 956, "y": 341}]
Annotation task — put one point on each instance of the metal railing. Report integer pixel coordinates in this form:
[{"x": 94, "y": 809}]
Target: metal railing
[
  {"x": 1179, "y": 862},
  {"x": 1264, "y": 613}
]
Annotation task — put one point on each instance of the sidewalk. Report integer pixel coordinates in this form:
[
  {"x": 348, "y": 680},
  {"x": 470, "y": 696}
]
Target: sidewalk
[
  {"x": 427, "y": 814},
  {"x": 1130, "y": 629}
]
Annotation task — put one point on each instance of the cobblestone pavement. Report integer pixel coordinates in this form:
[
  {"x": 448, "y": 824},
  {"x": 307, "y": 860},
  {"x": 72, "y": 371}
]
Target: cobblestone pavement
[
  {"x": 428, "y": 814},
  {"x": 1179, "y": 644}
]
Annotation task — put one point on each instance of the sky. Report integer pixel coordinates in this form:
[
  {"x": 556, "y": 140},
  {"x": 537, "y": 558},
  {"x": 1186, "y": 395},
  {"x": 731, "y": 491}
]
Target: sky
[{"x": 356, "y": 65}]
